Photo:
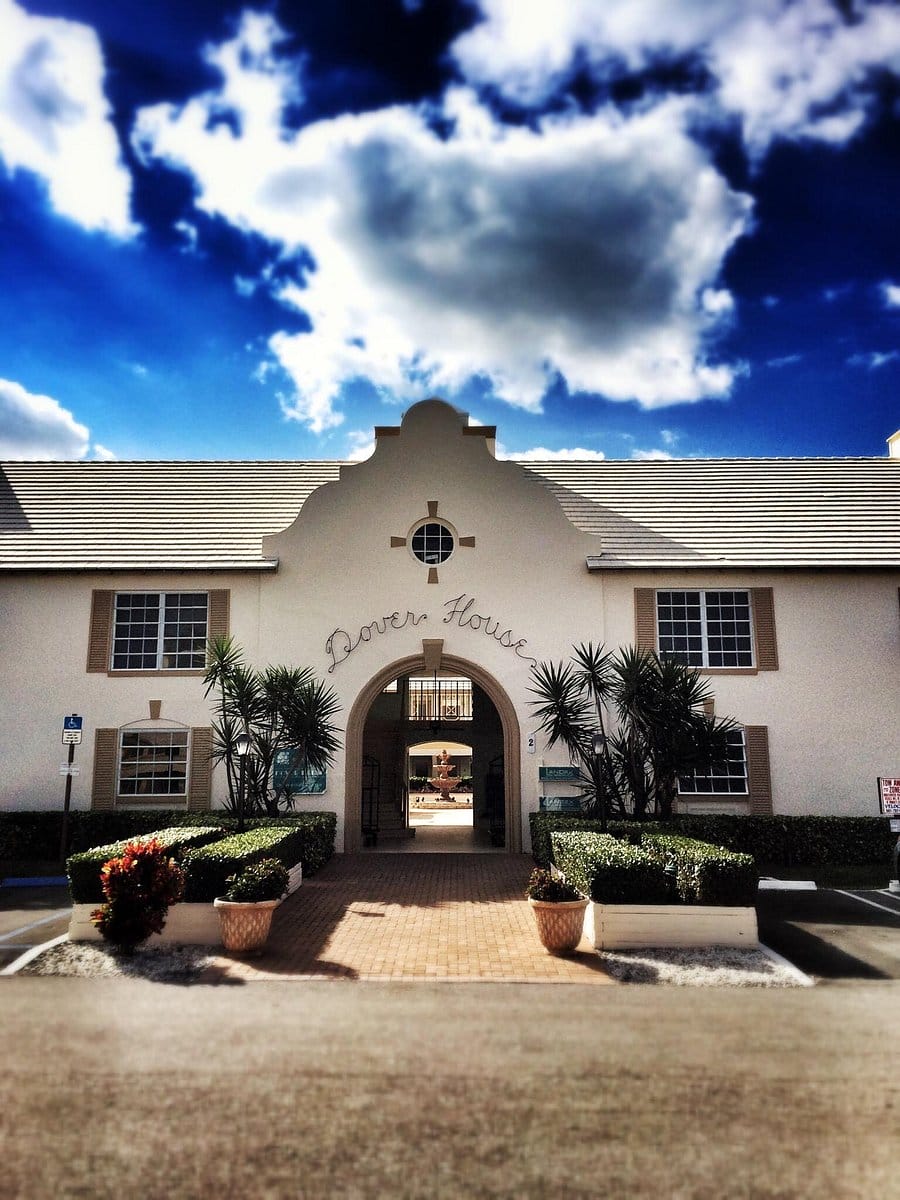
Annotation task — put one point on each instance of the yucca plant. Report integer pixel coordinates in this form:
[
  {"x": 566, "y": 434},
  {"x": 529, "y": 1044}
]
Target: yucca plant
[
  {"x": 278, "y": 708},
  {"x": 633, "y": 722}
]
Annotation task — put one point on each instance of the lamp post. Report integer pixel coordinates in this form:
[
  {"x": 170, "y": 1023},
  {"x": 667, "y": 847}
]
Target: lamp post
[
  {"x": 242, "y": 744},
  {"x": 597, "y": 748}
]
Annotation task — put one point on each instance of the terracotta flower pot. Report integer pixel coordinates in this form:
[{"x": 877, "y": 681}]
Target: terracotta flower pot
[
  {"x": 559, "y": 923},
  {"x": 245, "y": 924}
]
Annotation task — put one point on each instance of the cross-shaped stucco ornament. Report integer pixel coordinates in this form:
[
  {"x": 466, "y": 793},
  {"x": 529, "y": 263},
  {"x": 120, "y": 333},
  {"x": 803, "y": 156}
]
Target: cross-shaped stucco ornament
[{"x": 432, "y": 541}]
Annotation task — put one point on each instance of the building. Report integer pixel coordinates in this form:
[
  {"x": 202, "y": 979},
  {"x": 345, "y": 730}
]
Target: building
[{"x": 422, "y": 584}]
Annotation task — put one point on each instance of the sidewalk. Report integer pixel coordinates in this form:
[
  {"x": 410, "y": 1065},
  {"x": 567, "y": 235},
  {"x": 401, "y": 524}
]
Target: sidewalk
[{"x": 426, "y": 916}]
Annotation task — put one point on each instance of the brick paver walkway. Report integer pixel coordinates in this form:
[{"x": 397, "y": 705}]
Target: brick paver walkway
[{"x": 458, "y": 917}]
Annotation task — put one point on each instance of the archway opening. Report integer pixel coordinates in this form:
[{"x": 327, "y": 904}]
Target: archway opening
[{"x": 432, "y": 761}]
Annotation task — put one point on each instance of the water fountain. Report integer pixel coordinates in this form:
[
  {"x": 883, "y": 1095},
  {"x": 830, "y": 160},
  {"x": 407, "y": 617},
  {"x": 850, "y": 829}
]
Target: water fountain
[{"x": 442, "y": 782}]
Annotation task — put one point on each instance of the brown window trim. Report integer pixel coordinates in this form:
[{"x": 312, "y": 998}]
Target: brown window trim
[
  {"x": 105, "y": 785},
  {"x": 102, "y": 626},
  {"x": 762, "y": 612}
]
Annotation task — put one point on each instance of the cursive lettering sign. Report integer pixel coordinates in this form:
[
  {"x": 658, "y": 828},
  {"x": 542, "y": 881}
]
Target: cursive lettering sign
[
  {"x": 461, "y": 614},
  {"x": 340, "y": 645}
]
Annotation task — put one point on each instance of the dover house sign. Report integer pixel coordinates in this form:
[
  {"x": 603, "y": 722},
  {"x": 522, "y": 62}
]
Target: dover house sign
[{"x": 460, "y": 611}]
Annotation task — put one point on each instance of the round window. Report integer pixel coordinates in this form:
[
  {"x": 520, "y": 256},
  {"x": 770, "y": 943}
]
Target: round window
[{"x": 432, "y": 543}]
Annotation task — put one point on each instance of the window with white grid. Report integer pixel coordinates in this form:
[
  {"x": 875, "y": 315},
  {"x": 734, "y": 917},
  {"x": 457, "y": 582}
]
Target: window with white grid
[
  {"x": 153, "y": 762},
  {"x": 705, "y": 629},
  {"x": 160, "y": 631},
  {"x": 728, "y": 778}
]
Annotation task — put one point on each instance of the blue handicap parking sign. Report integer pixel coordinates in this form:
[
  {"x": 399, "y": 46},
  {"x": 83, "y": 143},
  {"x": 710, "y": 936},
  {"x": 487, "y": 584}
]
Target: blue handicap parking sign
[{"x": 73, "y": 722}]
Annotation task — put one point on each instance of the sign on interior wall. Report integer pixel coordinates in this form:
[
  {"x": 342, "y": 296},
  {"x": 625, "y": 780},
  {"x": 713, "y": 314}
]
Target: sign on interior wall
[
  {"x": 301, "y": 780},
  {"x": 461, "y": 611}
]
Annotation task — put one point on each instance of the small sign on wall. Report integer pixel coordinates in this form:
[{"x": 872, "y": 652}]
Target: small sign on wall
[
  {"x": 560, "y": 774},
  {"x": 300, "y": 780},
  {"x": 889, "y": 797}
]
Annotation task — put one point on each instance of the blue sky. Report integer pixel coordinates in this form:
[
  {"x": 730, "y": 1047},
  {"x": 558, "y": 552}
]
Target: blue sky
[{"x": 635, "y": 228}]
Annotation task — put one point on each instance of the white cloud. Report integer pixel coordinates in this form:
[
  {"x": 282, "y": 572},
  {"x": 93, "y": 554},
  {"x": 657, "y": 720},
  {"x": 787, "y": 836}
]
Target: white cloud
[
  {"x": 587, "y": 247},
  {"x": 784, "y": 360},
  {"x": 669, "y": 436},
  {"x": 890, "y": 293},
  {"x": 872, "y": 360},
  {"x": 102, "y": 454},
  {"x": 360, "y": 445},
  {"x": 542, "y": 454},
  {"x": 652, "y": 455},
  {"x": 794, "y": 69},
  {"x": 37, "y": 427},
  {"x": 771, "y": 301},
  {"x": 55, "y": 119}
]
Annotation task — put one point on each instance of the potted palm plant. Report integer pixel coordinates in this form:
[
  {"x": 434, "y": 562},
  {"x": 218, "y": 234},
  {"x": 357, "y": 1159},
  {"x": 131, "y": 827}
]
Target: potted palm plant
[
  {"x": 558, "y": 909},
  {"x": 250, "y": 899}
]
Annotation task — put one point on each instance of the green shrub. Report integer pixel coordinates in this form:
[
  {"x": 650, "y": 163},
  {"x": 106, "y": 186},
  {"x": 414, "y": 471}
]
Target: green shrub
[
  {"x": 545, "y": 823},
  {"x": 706, "y": 874},
  {"x": 266, "y": 879},
  {"x": 611, "y": 871},
  {"x": 776, "y": 841},
  {"x": 208, "y": 867},
  {"x": 36, "y": 835},
  {"x": 664, "y": 869},
  {"x": 315, "y": 833},
  {"x": 553, "y": 889},
  {"x": 85, "y": 884}
]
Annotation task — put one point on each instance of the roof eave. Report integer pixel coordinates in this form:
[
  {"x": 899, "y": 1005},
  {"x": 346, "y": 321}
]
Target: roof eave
[
  {"x": 598, "y": 562},
  {"x": 263, "y": 564}
]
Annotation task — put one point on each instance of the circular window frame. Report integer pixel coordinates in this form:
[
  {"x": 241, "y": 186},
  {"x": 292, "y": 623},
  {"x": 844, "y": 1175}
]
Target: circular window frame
[{"x": 421, "y": 525}]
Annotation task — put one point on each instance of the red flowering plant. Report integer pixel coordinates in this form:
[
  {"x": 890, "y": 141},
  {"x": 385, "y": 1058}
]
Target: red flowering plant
[{"x": 139, "y": 886}]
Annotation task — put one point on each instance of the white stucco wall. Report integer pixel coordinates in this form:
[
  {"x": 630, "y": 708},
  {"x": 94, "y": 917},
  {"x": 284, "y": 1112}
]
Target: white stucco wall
[{"x": 831, "y": 708}]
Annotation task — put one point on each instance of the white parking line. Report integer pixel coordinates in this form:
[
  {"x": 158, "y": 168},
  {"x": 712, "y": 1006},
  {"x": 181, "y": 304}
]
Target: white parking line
[
  {"x": 24, "y": 959},
  {"x": 895, "y": 912},
  {"x": 54, "y": 916}
]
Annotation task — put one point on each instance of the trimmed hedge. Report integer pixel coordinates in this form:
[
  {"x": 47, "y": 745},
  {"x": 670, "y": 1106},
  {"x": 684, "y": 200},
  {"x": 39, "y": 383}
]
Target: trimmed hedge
[
  {"x": 611, "y": 871},
  {"x": 35, "y": 835},
  {"x": 662, "y": 870},
  {"x": 316, "y": 832},
  {"x": 775, "y": 841},
  {"x": 84, "y": 869},
  {"x": 208, "y": 867},
  {"x": 706, "y": 874},
  {"x": 545, "y": 823}
]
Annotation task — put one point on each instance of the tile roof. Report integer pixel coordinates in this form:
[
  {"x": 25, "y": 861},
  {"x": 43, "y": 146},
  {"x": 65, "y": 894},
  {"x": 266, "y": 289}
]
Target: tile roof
[
  {"x": 149, "y": 514},
  {"x": 681, "y": 512},
  {"x": 733, "y": 512}
]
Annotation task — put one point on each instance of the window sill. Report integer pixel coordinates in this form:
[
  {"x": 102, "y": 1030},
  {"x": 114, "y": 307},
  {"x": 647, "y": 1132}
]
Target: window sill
[
  {"x": 193, "y": 672},
  {"x": 151, "y": 801},
  {"x": 727, "y": 670}
]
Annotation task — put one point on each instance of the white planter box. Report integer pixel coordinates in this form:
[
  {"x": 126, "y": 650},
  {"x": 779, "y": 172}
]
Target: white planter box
[
  {"x": 635, "y": 926},
  {"x": 186, "y": 925}
]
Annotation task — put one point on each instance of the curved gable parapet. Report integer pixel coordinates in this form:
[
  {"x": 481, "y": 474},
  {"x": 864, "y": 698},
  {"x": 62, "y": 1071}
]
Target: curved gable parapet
[{"x": 433, "y": 464}]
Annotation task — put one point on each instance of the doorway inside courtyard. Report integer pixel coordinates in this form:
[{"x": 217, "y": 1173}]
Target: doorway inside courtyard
[{"x": 433, "y": 777}]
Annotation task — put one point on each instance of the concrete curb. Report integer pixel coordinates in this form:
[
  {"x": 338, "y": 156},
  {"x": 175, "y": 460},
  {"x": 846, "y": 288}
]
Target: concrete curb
[{"x": 802, "y": 978}]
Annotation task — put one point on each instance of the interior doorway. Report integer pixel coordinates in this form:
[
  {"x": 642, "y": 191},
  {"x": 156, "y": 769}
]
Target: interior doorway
[{"x": 432, "y": 763}]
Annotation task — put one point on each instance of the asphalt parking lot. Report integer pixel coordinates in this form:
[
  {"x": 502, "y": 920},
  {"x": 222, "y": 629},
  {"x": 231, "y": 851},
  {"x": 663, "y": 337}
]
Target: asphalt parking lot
[{"x": 834, "y": 935}]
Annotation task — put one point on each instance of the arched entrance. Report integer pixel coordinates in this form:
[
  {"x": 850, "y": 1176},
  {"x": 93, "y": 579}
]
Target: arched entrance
[{"x": 356, "y": 723}]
